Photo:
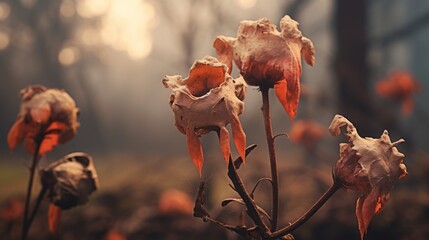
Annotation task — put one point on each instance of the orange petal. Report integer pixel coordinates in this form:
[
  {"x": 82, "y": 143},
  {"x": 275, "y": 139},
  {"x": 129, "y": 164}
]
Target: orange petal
[
  {"x": 16, "y": 135},
  {"x": 366, "y": 208},
  {"x": 224, "y": 51},
  {"x": 204, "y": 77},
  {"x": 239, "y": 137},
  {"x": 224, "y": 143},
  {"x": 195, "y": 149},
  {"x": 281, "y": 90},
  {"x": 54, "y": 219},
  {"x": 52, "y": 137}
]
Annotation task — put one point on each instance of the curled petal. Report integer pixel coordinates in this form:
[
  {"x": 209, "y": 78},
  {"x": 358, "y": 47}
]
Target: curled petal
[
  {"x": 224, "y": 143},
  {"x": 195, "y": 149},
  {"x": 239, "y": 137},
  {"x": 308, "y": 51},
  {"x": 224, "y": 50},
  {"x": 16, "y": 133}
]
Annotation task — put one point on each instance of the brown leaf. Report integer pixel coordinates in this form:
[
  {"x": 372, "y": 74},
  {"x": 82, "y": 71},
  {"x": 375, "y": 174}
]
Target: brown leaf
[{"x": 54, "y": 217}]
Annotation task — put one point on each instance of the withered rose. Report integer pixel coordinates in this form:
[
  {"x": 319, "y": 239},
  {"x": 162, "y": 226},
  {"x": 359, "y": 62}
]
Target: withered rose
[
  {"x": 269, "y": 58},
  {"x": 306, "y": 132},
  {"x": 70, "y": 180},
  {"x": 45, "y": 113},
  {"x": 367, "y": 165},
  {"x": 400, "y": 86},
  {"x": 209, "y": 99}
]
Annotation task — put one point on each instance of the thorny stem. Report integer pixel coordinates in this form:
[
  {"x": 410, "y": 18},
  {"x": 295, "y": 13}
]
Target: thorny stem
[
  {"x": 307, "y": 215},
  {"x": 273, "y": 159},
  {"x": 36, "y": 156},
  {"x": 251, "y": 207}
]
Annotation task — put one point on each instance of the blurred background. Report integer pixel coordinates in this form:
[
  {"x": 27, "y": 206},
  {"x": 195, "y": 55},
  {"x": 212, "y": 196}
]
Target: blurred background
[{"x": 111, "y": 56}]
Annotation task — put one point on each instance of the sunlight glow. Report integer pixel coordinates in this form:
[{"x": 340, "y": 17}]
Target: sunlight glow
[
  {"x": 246, "y": 3},
  {"x": 67, "y": 9},
  {"x": 4, "y": 40},
  {"x": 126, "y": 25},
  {"x": 4, "y": 10},
  {"x": 92, "y": 8},
  {"x": 68, "y": 55}
]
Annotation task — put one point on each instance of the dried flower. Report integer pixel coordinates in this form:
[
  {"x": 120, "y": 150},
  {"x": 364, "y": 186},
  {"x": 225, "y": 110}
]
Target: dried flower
[
  {"x": 70, "y": 180},
  {"x": 400, "y": 86},
  {"x": 174, "y": 201},
  {"x": 207, "y": 100},
  {"x": 269, "y": 58},
  {"x": 47, "y": 115},
  {"x": 306, "y": 132},
  {"x": 369, "y": 166}
]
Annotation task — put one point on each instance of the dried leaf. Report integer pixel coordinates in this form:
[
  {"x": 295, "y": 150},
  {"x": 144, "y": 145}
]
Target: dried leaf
[
  {"x": 369, "y": 166},
  {"x": 208, "y": 100},
  {"x": 70, "y": 180},
  {"x": 200, "y": 202},
  {"x": 269, "y": 58},
  {"x": 47, "y": 115},
  {"x": 54, "y": 217}
]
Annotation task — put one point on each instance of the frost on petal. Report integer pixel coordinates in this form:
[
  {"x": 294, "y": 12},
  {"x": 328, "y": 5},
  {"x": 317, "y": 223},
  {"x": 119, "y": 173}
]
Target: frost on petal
[
  {"x": 47, "y": 115},
  {"x": 208, "y": 100},
  {"x": 70, "y": 180},
  {"x": 370, "y": 166},
  {"x": 269, "y": 58}
]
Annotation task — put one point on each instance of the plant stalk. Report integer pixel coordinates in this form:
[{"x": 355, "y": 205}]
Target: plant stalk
[
  {"x": 36, "y": 157},
  {"x": 273, "y": 158},
  {"x": 307, "y": 215},
  {"x": 250, "y": 205}
]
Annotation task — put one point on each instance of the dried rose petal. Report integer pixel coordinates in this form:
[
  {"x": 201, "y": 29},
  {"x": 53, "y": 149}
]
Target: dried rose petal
[
  {"x": 401, "y": 86},
  {"x": 269, "y": 58},
  {"x": 70, "y": 180},
  {"x": 48, "y": 113},
  {"x": 209, "y": 99},
  {"x": 367, "y": 165}
]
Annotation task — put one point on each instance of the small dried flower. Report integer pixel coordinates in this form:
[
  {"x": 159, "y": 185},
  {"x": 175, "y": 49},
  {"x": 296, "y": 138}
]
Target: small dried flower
[
  {"x": 48, "y": 113},
  {"x": 369, "y": 166},
  {"x": 306, "y": 132},
  {"x": 207, "y": 100},
  {"x": 400, "y": 86},
  {"x": 174, "y": 201},
  {"x": 70, "y": 180},
  {"x": 269, "y": 58}
]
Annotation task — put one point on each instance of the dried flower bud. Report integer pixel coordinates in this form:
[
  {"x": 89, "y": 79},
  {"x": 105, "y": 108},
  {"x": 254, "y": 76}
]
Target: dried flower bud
[
  {"x": 369, "y": 166},
  {"x": 70, "y": 180},
  {"x": 269, "y": 58},
  {"x": 45, "y": 113},
  {"x": 401, "y": 86},
  {"x": 207, "y": 100}
]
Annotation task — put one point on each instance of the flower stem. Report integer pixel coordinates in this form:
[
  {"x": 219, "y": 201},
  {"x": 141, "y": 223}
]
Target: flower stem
[
  {"x": 307, "y": 215},
  {"x": 273, "y": 159},
  {"x": 250, "y": 204},
  {"x": 36, "y": 156}
]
